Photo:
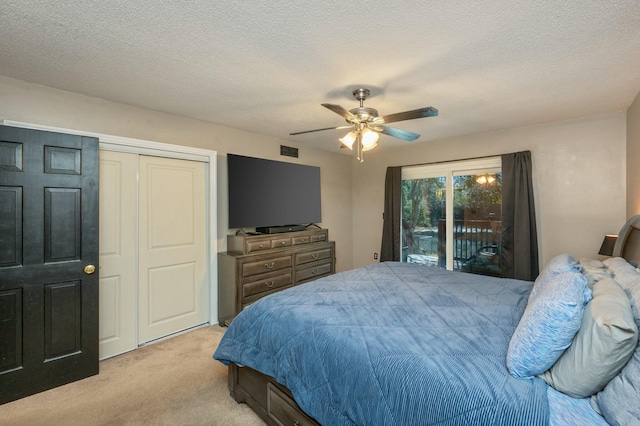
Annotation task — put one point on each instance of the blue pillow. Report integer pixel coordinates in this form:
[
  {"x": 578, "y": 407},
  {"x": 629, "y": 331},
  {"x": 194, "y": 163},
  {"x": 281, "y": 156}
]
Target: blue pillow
[
  {"x": 561, "y": 263},
  {"x": 548, "y": 325}
]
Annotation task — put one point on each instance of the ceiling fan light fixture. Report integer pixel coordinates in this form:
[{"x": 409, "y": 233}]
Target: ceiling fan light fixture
[
  {"x": 369, "y": 148},
  {"x": 487, "y": 178},
  {"x": 368, "y": 123},
  {"x": 349, "y": 139},
  {"x": 369, "y": 139}
]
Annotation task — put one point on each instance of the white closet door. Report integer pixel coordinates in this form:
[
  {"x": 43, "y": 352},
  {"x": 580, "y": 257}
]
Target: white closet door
[
  {"x": 118, "y": 241},
  {"x": 173, "y": 290}
]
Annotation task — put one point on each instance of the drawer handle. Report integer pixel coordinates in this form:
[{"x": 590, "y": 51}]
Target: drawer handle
[
  {"x": 260, "y": 245},
  {"x": 295, "y": 423},
  {"x": 314, "y": 271},
  {"x": 315, "y": 255},
  {"x": 266, "y": 265},
  {"x": 270, "y": 284},
  {"x": 284, "y": 243}
]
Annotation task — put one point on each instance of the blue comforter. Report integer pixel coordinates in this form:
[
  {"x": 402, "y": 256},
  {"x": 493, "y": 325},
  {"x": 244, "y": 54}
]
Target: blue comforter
[{"x": 392, "y": 344}]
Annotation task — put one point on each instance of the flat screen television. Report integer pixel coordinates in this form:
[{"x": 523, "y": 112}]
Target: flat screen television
[{"x": 272, "y": 194}]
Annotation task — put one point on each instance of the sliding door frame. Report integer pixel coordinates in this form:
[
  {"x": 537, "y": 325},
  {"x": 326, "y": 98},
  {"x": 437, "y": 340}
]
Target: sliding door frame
[{"x": 448, "y": 170}]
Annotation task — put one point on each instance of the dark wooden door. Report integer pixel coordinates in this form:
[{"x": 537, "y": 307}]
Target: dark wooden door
[{"x": 48, "y": 245}]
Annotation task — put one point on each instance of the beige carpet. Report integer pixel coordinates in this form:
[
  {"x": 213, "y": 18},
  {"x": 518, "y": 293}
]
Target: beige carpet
[{"x": 172, "y": 382}]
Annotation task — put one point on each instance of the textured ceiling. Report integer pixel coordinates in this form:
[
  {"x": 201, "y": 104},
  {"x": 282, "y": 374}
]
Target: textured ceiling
[{"x": 266, "y": 66}]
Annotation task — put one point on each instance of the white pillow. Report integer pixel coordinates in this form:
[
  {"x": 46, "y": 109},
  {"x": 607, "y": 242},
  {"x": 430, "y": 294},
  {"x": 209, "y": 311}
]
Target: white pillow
[
  {"x": 619, "y": 401},
  {"x": 624, "y": 273},
  {"x": 594, "y": 270}
]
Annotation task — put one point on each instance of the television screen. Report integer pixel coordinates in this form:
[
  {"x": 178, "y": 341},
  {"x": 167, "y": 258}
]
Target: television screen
[{"x": 266, "y": 193}]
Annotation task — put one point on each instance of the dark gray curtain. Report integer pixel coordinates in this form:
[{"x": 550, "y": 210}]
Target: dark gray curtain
[
  {"x": 390, "y": 250},
  {"x": 519, "y": 235}
]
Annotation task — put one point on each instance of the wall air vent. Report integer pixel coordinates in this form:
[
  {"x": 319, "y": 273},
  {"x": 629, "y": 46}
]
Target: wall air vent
[{"x": 288, "y": 151}]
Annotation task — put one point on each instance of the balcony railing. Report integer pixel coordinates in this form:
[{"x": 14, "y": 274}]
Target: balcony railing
[{"x": 476, "y": 246}]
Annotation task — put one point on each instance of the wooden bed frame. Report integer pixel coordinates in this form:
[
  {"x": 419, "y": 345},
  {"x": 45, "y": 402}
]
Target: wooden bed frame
[
  {"x": 628, "y": 243},
  {"x": 268, "y": 398},
  {"x": 274, "y": 402}
]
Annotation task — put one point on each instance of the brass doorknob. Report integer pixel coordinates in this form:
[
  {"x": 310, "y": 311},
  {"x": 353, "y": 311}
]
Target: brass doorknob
[{"x": 89, "y": 269}]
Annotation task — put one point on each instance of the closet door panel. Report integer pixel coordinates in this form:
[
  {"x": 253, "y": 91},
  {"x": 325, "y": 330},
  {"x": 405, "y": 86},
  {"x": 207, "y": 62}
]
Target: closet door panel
[
  {"x": 173, "y": 289},
  {"x": 118, "y": 241}
]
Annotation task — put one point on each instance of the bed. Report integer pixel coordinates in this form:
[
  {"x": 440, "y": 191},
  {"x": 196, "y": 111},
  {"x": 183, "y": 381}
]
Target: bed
[{"x": 402, "y": 344}]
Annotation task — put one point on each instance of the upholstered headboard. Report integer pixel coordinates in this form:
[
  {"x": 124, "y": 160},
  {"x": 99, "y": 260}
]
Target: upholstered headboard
[{"x": 628, "y": 242}]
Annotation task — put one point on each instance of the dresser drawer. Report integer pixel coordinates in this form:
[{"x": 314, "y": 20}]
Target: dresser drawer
[
  {"x": 267, "y": 265},
  {"x": 312, "y": 256},
  {"x": 316, "y": 238},
  {"x": 281, "y": 242},
  {"x": 254, "y": 246},
  {"x": 303, "y": 239},
  {"x": 266, "y": 284},
  {"x": 284, "y": 410},
  {"x": 312, "y": 272}
]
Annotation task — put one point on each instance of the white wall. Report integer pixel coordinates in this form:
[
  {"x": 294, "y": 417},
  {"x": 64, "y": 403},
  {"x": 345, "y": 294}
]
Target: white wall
[
  {"x": 36, "y": 104},
  {"x": 633, "y": 158},
  {"x": 578, "y": 173}
]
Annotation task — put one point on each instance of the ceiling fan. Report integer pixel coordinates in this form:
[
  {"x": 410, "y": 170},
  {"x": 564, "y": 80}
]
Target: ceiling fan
[{"x": 367, "y": 124}]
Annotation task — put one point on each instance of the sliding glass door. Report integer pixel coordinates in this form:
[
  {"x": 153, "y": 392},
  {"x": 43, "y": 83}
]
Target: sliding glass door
[
  {"x": 477, "y": 222},
  {"x": 423, "y": 213},
  {"x": 451, "y": 215}
]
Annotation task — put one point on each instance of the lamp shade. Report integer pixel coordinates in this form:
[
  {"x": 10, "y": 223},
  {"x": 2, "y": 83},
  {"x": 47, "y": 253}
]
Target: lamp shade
[
  {"x": 369, "y": 139},
  {"x": 349, "y": 139},
  {"x": 606, "y": 249}
]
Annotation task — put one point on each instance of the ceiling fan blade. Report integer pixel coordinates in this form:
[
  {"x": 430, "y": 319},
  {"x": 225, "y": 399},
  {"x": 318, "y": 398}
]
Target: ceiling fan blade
[
  {"x": 410, "y": 115},
  {"x": 397, "y": 133},
  {"x": 341, "y": 111},
  {"x": 319, "y": 130}
]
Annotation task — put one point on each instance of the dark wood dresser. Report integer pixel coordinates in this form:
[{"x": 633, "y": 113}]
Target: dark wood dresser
[{"x": 257, "y": 265}]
